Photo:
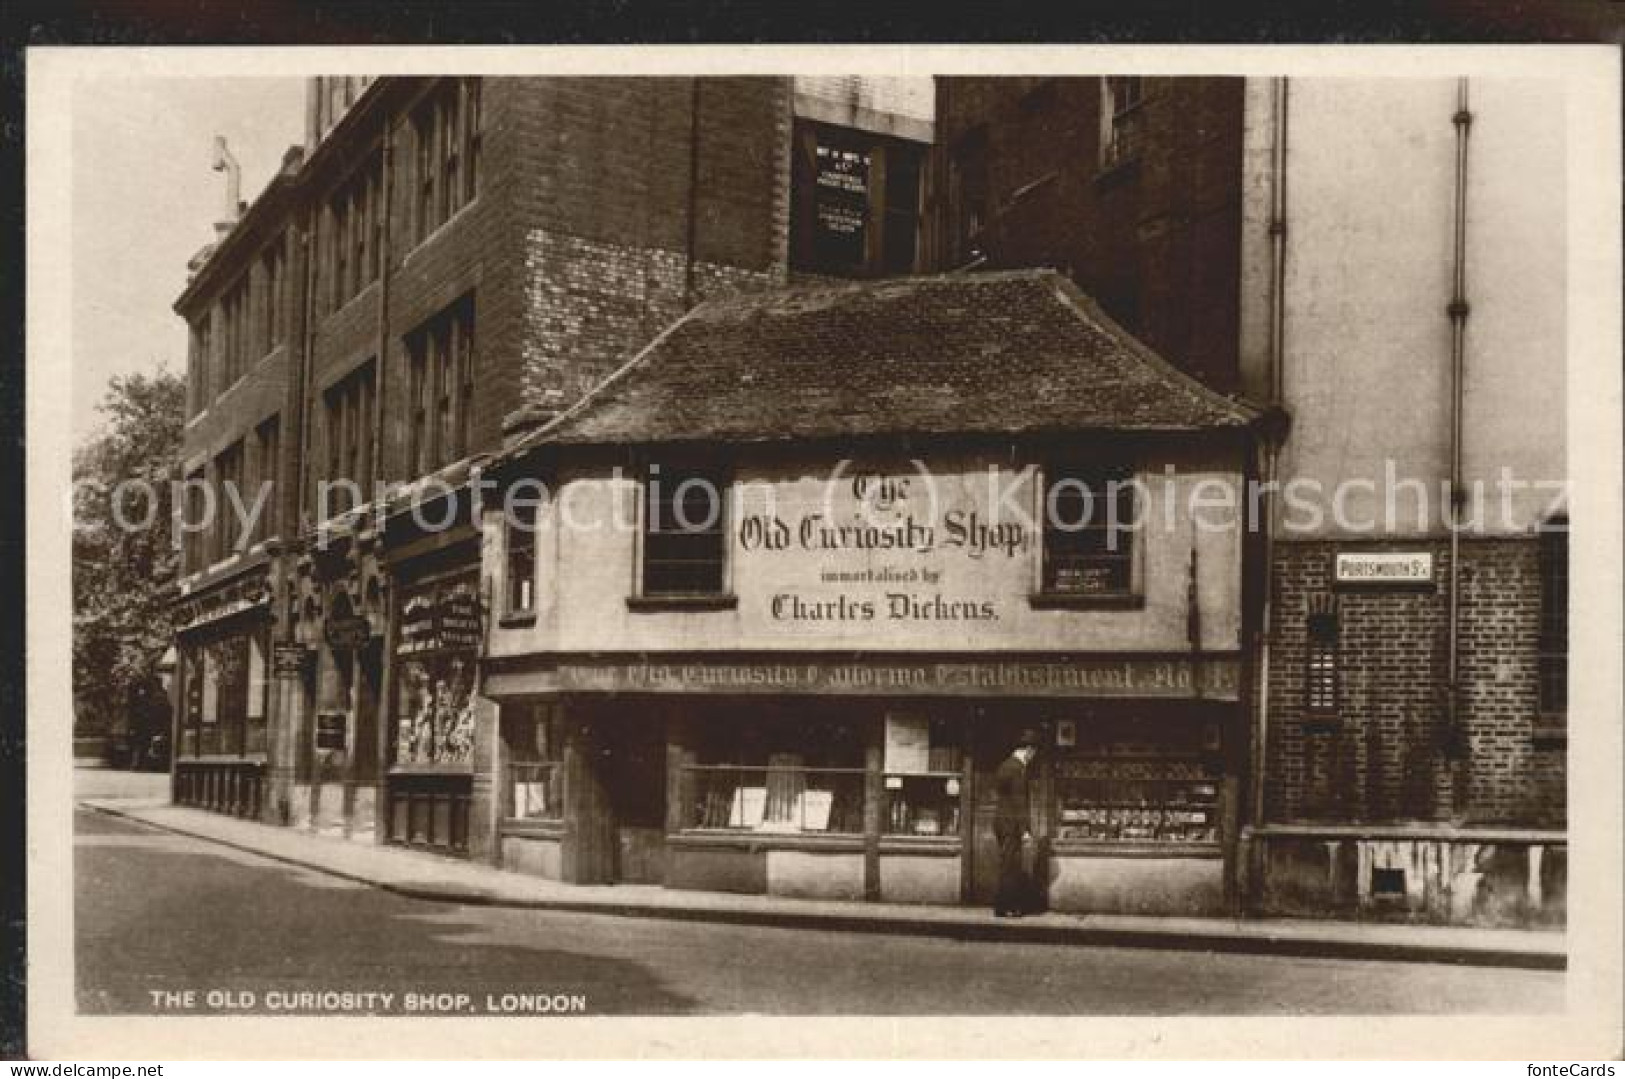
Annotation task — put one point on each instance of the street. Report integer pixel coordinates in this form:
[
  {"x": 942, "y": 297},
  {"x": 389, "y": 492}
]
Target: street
[{"x": 169, "y": 924}]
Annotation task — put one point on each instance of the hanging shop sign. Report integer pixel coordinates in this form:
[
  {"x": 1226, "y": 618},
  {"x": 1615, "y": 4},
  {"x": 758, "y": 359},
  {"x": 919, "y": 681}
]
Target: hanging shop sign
[{"x": 1384, "y": 569}]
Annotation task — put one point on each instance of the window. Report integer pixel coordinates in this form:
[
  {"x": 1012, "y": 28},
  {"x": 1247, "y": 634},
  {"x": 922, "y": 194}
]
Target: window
[
  {"x": 533, "y": 734},
  {"x": 856, "y": 203},
  {"x": 775, "y": 771},
  {"x": 1320, "y": 677},
  {"x": 1554, "y": 617},
  {"x": 922, "y": 760},
  {"x": 447, "y": 131},
  {"x": 441, "y": 354},
  {"x": 199, "y": 367},
  {"x": 968, "y": 196},
  {"x": 349, "y": 419},
  {"x": 196, "y": 545},
  {"x": 437, "y": 642},
  {"x": 231, "y": 499},
  {"x": 684, "y": 531},
  {"x": 273, "y": 298},
  {"x": 1120, "y": 118},
  {"x": 521, "y": 529},
  {"x": 234, "y": 311},
  {"x": 1088, "y": 522},
  {"x": 1150, "y": 775},
  {"x": 355, "y": 219},
  {"x": 267, "y": 450}
]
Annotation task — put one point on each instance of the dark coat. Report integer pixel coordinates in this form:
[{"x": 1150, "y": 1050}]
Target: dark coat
[{"x": 1010, "y": 785}]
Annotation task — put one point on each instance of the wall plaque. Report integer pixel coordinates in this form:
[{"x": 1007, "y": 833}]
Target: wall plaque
[{"x": 1378, "y": 569}]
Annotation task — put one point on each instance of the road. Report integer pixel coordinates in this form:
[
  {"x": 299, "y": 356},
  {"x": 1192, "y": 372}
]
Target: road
[{"x": 160, "y": 916}]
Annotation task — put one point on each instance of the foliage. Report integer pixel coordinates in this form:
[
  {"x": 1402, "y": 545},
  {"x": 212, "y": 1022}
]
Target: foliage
[{"x": 125, "y": 559}]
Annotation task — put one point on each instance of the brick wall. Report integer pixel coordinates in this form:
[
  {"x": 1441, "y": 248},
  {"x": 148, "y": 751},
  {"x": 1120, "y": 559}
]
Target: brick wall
[
  {"x": 1385, "y": 758},
  {"x": 577, "y": 248},
  {"x": 1156, "y": 241}
]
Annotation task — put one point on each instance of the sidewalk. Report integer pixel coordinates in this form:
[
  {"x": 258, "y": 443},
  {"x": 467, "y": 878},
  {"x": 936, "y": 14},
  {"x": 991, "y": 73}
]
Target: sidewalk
[{"x": 428, "y": 876}]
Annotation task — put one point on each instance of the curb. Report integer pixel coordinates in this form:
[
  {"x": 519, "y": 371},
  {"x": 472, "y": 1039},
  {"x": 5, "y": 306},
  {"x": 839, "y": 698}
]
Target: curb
[{"x": 1005, "y": 932}]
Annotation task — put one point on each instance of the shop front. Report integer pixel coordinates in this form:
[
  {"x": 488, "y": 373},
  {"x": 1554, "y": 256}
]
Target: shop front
[
  {"x": 872, "y": 779},
  {"x": 784, "y": 604},
  {"x": 428, "y": 785},
  {"x": 224, "y": 689}
]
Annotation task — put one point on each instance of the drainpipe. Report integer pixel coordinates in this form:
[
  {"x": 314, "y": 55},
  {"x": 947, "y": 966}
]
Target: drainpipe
[
  {"x": 1458, "y": 312},
  {"x": 312, "y": 245},
  {"x": 1271, "y": 455}
]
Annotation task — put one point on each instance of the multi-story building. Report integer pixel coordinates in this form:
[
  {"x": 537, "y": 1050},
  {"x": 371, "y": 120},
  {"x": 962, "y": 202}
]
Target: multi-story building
[
  {"x": 1365, "y": 260},
  {"x": 443, "y": 257}
]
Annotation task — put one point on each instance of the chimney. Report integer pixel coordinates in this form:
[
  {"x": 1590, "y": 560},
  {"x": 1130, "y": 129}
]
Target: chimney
[{"x": 226, "y": 163}]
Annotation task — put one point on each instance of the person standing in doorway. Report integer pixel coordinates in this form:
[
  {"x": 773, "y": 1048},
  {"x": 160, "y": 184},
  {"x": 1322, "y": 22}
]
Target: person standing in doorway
[{"x": 1012, "y": 827}]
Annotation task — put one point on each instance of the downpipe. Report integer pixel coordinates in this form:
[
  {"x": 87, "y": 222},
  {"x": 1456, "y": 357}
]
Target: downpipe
[{"x": 1455, "y": 746}]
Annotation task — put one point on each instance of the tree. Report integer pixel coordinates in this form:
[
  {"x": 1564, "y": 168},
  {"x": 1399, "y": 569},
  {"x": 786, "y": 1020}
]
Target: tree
[{"x": 125, "y": 559}]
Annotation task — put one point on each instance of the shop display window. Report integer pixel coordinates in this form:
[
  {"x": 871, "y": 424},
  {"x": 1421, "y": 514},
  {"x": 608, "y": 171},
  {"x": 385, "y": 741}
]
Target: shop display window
[
  {"x": 534, "y": 737},
  {"x": 1128, "y": 782},
  {"x": 436, "y": 718},
  {"x": 782, "y": 773},
  {"x": 435, "y": 661},
  {"x": 923, "y": 758}
]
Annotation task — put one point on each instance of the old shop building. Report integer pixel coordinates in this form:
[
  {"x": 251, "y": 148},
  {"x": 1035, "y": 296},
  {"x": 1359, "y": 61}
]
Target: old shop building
[
  {"x": 1368, "y": 257},
  {"x": 439, "y": 254},
  {"x": 807, "y": 694}
]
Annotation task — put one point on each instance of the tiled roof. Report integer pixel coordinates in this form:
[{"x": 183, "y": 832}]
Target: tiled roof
[{"x": 1017, "y": 352}]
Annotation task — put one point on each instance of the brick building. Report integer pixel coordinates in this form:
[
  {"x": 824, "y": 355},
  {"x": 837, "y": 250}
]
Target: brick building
[
  {"x": 1365, "y": 259},
  {"x": 442, "y": 257}
]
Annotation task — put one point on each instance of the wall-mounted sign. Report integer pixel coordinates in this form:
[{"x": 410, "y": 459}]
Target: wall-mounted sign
[
  {"x": 1213, "y": 678},
  {"x": 441, "y": 618},
  {"x": 331, "y": 730},
  {"x": 1377, "y": 569},
  {"x": 289, "y": 660},
  {"x": 349, "y": 632}
]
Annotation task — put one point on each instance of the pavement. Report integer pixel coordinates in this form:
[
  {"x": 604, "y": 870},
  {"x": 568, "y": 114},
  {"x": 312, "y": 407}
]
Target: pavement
[{"x": 419, "y": 875}]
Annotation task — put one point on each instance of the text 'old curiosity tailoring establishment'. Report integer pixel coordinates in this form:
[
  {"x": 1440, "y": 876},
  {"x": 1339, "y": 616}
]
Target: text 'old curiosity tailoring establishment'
[{"x": 805, "y": 567}]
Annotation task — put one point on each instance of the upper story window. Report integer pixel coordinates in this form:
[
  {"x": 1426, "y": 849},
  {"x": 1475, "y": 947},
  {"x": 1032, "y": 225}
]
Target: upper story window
[
  {"x": 447, "y": 130},
  {"x": 1554, "y": 617},
  {"x": 349, "y": 422},
  {"x": 267, "y": 451},
  {"x": 231, "y": 499},
  {"x": 520, "y": 524},
  {"x": 200, "y": 366},
  {"x": 236, "y": 331},
  {"x": 273, "y": 279},
  {"x": 1121, "y": 122},
  {"x": 441, "y": 393},
  {"x": 1089, "y": 514},
  {"x": 856, "y": 203},
  {"x": 355, "y": 232},
  {"x": 969, "y": 208},
  {"x": 684, "y": 531}
]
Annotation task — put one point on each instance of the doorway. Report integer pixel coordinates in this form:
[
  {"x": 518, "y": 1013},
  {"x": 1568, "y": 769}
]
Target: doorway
[{"x": 632, "y": 767}]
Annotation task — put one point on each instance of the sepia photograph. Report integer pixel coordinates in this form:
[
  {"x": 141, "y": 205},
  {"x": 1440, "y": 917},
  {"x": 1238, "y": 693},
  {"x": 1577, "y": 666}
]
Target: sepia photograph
[{"x": 1040, "y": 536}]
